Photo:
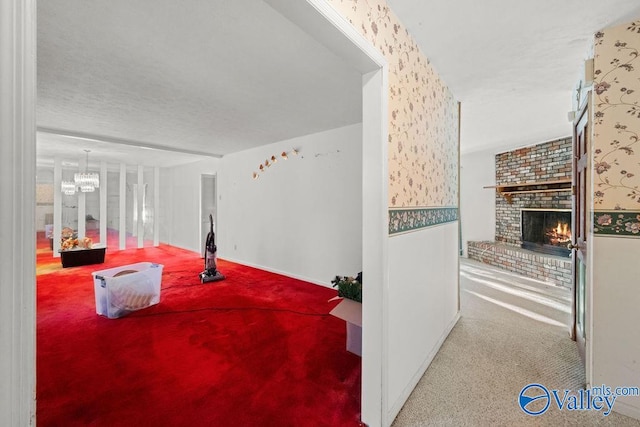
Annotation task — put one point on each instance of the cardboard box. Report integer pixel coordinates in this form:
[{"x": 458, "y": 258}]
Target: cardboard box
[
  {"x": 351, "y": 312},
  {"x": 122, "y": 290}
]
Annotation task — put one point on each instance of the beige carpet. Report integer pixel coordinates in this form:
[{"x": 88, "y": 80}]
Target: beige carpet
[{"x": 512, "y": 332}]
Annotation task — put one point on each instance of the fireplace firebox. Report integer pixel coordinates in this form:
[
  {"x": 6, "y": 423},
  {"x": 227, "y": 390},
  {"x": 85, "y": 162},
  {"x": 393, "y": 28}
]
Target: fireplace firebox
[{"x": 546, "y": 230}]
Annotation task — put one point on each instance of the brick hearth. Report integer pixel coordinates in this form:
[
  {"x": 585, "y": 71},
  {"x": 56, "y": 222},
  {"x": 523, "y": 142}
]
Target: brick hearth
[{"x": 548, "y": 268}]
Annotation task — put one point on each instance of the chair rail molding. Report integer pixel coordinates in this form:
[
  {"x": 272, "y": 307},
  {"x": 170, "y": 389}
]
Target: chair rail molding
[{"x": 17, "y": 211}]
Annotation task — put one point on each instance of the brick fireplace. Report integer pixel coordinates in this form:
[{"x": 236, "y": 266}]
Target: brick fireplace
[
  {"x": 533, "y": 213},
  {"x": 547, "y": 231}
]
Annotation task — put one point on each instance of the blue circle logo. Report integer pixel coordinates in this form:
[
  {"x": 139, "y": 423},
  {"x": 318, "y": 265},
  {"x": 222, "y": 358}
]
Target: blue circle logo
[{"x": 532, "y": 397}]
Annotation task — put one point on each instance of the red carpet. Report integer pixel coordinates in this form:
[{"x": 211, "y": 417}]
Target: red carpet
[{"x": 257, "y": 349}]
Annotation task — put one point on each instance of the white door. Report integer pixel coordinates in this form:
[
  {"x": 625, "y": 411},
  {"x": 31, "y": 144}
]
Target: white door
[{"x": 579, "y": 228}]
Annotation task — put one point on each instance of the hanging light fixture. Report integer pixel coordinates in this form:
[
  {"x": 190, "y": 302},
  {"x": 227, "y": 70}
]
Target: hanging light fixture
[
  {"x": 88, "y": 182},
  {"x": 68, "y": 188},
  {"x": 84, "y": 182}
]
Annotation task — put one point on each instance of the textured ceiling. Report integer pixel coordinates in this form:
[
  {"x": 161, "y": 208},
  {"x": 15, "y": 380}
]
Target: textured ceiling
[
  {"x": 208, "y": 76},
  {"x": 216, "y": 76},
  {"x": 512, "y": 63}
]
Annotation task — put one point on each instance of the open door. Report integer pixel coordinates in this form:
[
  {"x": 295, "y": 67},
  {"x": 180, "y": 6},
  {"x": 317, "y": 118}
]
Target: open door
[
  {"x": 207, "y": 206},
  {"x": 580, "y": 224}
]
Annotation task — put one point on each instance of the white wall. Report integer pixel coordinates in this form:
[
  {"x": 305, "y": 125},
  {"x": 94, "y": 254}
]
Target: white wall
[
  {"x": 165, "y": 216},
  {"x": 303, "y": 216},
  {"x": 179, "y": 214},
  {"x": 423, "y": 304},
  {"x": 477, "y": 204},
  {"x": 44, "y": 196},
  {"x": 615, "y": 317}
]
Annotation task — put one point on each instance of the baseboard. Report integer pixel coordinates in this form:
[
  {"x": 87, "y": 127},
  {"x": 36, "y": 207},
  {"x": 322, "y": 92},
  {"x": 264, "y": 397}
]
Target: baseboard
[
  {"x": 397, "y": 406},
  {"x": 183, "y": 248},
  {"x": 626, "y": 409},
  {"x": 280, "y": 272}
]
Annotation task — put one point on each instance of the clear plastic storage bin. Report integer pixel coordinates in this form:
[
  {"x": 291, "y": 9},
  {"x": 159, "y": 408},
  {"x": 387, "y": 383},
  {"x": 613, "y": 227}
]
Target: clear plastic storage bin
[{"x": 122, "y": 290}]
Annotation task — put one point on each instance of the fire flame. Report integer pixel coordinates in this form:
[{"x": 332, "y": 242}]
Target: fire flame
[{"x": 560, "y": 234}]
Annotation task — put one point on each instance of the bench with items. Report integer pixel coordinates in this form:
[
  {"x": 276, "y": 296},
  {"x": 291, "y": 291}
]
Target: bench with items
[{"x": 76, "y": 251}]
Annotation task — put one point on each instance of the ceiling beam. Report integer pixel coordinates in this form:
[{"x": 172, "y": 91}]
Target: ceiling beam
[{"x": 112, "y": 140}]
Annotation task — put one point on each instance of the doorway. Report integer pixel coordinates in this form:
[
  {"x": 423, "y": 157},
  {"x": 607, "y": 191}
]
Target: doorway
[
  {"x": 207, "y": 207},
  {"x": 19, "y": 189}
]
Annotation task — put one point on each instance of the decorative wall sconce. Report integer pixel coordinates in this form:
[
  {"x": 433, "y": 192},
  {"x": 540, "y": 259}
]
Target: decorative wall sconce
[{"x": 272, "y": 161}]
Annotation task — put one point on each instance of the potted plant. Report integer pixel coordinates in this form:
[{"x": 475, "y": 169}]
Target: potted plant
[
  {"x": 349, "y": 287},
  {"x": 350, "y": 309}
]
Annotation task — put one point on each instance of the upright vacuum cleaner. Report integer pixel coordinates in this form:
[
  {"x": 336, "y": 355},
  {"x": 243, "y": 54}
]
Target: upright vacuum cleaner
[{"x": 210, "y": 273}]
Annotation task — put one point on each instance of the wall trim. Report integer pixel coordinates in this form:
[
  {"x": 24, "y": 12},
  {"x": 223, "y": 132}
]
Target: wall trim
[
  {"x": 375, "y": 246},
  {"x": 394, "y": 410},
  {"x": 626, "y": 409},
  {"x": 616, "y": 223},
  {"x": 17, "y": 211},
  {"x": 405, "y": 220},
  {"x": 277, "y": 271}
]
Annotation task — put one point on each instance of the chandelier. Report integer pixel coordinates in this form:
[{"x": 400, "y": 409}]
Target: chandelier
[{"x": 84, "y": 182}]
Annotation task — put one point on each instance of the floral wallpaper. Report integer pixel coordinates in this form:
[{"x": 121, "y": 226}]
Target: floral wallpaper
[
  {"x": 406, "y": 220},
  {"x": 617, "y": 223},
  {"x": 423, "y": 118},
  {"x": 616, "y": 130}
]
